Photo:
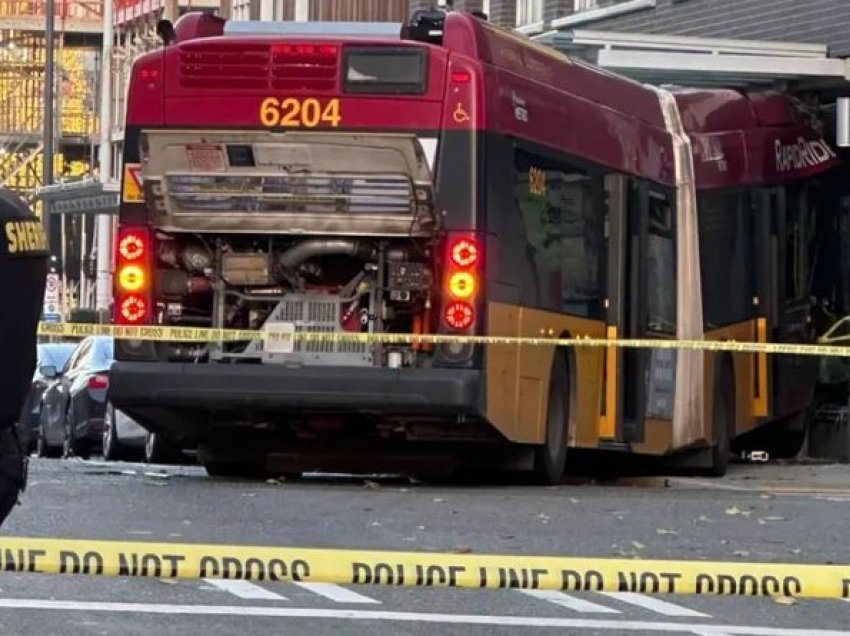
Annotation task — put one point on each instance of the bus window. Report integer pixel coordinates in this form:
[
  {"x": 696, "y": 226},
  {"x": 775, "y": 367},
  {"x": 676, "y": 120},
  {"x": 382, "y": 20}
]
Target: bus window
[
  {"x": 398, "y": 70},
  {"x": 661, "y": 266},
  {"x": 727, "y": 257},
  {"x": 561, "y": 209}
]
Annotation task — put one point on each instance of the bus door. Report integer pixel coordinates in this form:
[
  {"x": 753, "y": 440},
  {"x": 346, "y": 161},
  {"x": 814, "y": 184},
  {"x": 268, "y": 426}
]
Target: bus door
[
  {"x": 791, "y": 224},
  {"x": 641, "y": 304}
]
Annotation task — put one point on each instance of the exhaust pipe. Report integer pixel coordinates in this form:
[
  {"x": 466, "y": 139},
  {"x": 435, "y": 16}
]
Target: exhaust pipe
[{"x": 304, "y": 250}]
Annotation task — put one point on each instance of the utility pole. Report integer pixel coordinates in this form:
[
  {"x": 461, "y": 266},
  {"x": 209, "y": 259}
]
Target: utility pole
[
  {"x": 47, "y": 132},
  {"x": 103, "y": 291}
]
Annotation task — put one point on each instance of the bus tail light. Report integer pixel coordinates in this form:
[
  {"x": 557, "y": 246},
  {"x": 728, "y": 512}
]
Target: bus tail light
[
  {"x": 460, "y": 315},
  {"x": 462, "y": 282},
  {"x": 133, "y": 290}
]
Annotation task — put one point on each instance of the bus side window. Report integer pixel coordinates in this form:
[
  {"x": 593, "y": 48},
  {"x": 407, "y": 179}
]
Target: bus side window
[
  {"x": 660, "y": 266},
  {"x": 561, "y": 209}
]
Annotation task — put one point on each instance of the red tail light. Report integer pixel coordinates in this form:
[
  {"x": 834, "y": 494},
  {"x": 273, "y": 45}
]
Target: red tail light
[
  {"x": 462, "y": 282},
  {"x": 459, "y": 315},
  {"x": 99, "y": 381},
  {"x": 133, "y": 276},
  {"x": 323, "y": 50}
]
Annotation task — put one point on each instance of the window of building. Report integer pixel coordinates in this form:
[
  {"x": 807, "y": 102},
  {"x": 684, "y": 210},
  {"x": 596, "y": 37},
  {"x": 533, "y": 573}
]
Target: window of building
[{"x": 528, "y": 12}]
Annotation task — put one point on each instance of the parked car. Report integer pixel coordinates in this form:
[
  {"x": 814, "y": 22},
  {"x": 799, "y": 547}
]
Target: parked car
[
  {"x": 73, "y": 416},
  {"x": 50, "y": 359},
  {"x": 123, "y": 437}
]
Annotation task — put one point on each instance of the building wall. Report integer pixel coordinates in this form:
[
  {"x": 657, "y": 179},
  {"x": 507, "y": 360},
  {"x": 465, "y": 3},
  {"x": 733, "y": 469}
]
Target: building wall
[{"x": 811, "y": 21}]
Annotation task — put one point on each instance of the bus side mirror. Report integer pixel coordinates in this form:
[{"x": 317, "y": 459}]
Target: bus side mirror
[
  {"x": 165, "y": 31},
  {"x": 842, "y": 122}
]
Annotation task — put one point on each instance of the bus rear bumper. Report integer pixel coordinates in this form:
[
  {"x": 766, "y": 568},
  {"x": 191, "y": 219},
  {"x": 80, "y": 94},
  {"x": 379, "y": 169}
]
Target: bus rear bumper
[{"x": 408, "y": 392}]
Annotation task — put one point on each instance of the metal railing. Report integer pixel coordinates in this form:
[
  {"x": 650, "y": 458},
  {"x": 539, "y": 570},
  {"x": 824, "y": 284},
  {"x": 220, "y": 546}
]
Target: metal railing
[{"x": 65, "y": 9}]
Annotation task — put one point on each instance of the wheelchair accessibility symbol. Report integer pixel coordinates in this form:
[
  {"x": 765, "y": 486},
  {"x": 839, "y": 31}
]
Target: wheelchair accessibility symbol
[{"x": 460, "y": 115}]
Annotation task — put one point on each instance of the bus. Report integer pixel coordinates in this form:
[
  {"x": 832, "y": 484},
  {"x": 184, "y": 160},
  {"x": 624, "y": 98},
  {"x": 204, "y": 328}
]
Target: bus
[{"x": 446, "y": 176}]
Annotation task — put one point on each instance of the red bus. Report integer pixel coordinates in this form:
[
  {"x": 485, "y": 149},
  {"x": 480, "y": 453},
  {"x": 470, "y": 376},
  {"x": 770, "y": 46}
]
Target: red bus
[{"x": 451, "y": 177}]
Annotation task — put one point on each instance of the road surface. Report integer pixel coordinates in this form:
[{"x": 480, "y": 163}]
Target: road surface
[{"x": 756, "y": 514}]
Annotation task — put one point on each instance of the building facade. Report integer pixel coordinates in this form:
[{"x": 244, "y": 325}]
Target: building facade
[{"x": 803, "y": 21}]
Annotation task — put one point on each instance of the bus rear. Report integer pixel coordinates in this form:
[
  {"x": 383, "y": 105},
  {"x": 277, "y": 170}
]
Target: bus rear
[{"x": 286, "y": 184}]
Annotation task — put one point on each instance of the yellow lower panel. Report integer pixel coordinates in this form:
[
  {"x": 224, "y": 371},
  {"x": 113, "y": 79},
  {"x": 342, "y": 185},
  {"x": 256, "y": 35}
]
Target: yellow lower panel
[
  {"x": 745, "y": 369},
  {"x": 517, "y": 377}
]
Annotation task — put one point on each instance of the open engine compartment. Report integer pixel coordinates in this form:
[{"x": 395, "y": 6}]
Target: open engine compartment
[{"x": 295, "y": 284}]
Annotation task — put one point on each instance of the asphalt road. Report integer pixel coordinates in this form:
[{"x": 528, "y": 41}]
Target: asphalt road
[{"x": 755, "y": 515}]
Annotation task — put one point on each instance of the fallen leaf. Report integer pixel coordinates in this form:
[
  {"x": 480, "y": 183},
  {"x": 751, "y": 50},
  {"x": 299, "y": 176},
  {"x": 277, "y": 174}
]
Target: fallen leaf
[
  {"x": 438, "y": 500},
  {"x": 168, "y": 581},
  {"x": 375, "y": 524},
  {"x": 768, "y": 496},
  {"x": 638, "y": 545},
  {"x": 784, "y": 600},
  {"x": 573, "y": 500},
  {"x": 273, "y": 482},
  {"x": 704, "y": 519},
  {"x": 461, "y": 549},
  {"x": 775, "y": 519},
  {"x": 796, "y": 551},
  {"x": 734, "y": 510},
  {"x": 662, "y": 532}
]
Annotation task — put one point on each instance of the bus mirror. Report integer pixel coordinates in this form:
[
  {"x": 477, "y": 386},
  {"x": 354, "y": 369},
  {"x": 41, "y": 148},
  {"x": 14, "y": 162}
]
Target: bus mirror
[
  {"x": 165, "y": 30},
  {"x": 842, "y": 122}
]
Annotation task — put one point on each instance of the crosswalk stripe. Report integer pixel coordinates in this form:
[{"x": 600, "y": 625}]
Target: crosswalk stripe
[
  {"x": 245, "y": 589},
  {"x": 570, "y": 602},
  {"x": 653, "y": 604},
  {"x": 336, "y": 593}
]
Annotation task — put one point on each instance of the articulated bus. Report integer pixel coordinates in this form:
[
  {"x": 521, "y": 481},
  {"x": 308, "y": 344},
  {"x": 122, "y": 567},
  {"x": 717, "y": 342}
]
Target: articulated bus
[{"x": 446, "y": 176}]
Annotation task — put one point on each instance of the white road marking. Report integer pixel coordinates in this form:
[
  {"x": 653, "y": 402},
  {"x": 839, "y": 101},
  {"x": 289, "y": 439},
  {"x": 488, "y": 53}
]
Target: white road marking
[
  {"x": 410, "y": 617},
  {"x": 570, "y": 602},
  {"x": 336, "y": 593},
  {"x": 245, "y": 589},
  {"x": 654, "y": 604}
]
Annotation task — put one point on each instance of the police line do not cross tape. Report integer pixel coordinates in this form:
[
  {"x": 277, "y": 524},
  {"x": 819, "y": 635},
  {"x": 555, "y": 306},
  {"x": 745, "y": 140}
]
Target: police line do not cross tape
[
  {"x": 206, "y": 335},
  {"x": 421, "y": 569}
]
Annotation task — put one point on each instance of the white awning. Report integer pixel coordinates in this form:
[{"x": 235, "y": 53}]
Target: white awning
[{"x": 702, "y": 62}]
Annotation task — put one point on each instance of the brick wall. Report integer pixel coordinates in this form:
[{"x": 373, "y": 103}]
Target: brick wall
[
  {"x": 503, "y": 12},
  {"x": 553, "y": 9}
]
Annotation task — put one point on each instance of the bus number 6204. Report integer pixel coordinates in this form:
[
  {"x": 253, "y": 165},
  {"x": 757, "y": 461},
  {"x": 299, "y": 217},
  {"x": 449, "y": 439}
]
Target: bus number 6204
[{"x": 292, "y": 113}]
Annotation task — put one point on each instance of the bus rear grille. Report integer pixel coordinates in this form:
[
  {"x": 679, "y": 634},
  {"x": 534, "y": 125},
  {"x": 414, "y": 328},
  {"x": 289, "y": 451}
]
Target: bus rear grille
[
  {"x": 257, "y": 66},
  {"x": 314, "y": 193},
  {"x": 316, "y": 313}
]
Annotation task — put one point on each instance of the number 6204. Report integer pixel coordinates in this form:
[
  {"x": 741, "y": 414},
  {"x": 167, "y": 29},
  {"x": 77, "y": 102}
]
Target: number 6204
[{"x": 291, "y": 112}]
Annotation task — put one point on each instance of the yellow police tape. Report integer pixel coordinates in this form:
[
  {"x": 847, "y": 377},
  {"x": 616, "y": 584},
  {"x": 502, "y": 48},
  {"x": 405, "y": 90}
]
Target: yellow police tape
[
  {"x": 206, "y": 335},
  {"x": 421, "y": 569}
]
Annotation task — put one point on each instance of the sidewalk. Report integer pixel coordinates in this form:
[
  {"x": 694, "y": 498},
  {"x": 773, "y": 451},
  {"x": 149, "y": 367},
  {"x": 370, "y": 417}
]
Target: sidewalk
[{"x": 807, "y": 477}]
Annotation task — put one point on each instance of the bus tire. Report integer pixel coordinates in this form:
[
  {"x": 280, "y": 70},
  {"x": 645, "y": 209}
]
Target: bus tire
[
  {"x": 550, "y": 459},
  {"x": 722, "y": 419}
]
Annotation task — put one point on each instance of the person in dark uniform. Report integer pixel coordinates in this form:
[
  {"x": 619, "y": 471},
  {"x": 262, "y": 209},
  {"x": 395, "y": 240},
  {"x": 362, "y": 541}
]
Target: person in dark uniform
[{"x": 24, "y": 256}]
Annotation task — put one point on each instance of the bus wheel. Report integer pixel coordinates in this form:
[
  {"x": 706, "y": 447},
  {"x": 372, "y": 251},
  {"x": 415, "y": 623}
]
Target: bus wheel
[
  {"x": 550, "y": 460},
  {"x": 723, "y": 421}
]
